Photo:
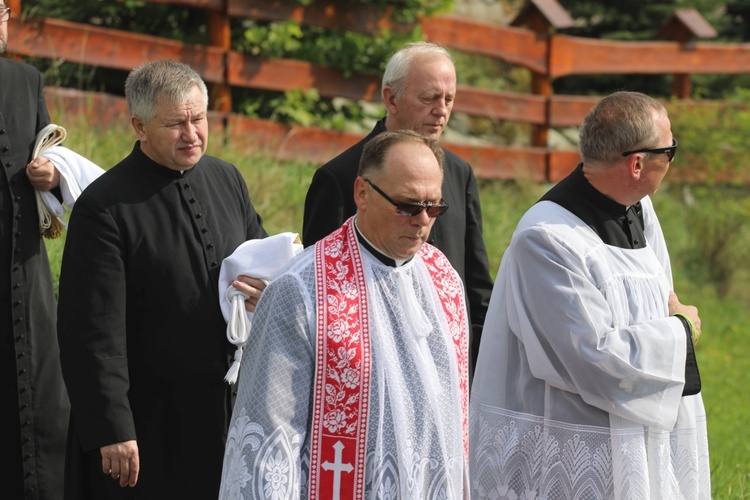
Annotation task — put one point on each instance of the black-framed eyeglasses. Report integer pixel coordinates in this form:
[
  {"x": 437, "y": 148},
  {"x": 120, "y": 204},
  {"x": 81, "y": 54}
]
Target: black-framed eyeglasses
[
  {"x": 4, "y": 14},
  {"x": 410, "y": 208},
  {"x": 669, "y": 150}
]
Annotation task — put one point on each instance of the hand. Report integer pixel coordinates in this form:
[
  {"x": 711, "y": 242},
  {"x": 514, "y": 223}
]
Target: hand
[
  {"x": 42, "y": 174},
  {"x": 121, "y": 462},
  {"x": 252, "y": 288},
  {"x": 690, "y": 311}
]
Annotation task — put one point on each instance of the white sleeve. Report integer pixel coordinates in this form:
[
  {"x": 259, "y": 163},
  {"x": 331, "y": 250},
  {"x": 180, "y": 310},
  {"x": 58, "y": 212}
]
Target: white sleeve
[
  {"x": 575, "y": 340},
  {"x": 265, "y": 447}
]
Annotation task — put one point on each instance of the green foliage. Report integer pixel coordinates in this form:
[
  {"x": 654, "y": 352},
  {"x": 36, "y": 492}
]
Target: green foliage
[
  {"x": 721, "y": 359},
  {"x": 349, "y": 52},
  {"x": 712, "y": 149},
  {"x": 713, "y": 138},
  {"x": 137, "y": 16},
  {"x": 737, "y": 20},
  {"x": 406, "y": 11},
  {"x": 719, "y": 248},
  {"x": 308, "y": 109}
]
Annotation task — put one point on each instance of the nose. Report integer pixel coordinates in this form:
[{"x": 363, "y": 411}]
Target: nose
[
  {"x": 441, "y": 107},
  {"x": 189, "y": 133},
  {"x": 421, "y": 219}
]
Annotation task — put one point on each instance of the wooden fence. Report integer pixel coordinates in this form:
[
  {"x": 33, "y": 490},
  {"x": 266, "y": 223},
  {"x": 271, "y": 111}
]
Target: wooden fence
[{"x": 547, "y": 55}]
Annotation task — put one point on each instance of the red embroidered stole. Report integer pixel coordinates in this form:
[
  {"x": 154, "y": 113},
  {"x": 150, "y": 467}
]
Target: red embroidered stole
[
  {"x": 449, "y": 289},
  {"x": 342, "y": 374}
]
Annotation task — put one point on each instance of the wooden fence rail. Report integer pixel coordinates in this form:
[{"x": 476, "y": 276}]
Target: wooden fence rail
[{"x": 546, "y": 55}]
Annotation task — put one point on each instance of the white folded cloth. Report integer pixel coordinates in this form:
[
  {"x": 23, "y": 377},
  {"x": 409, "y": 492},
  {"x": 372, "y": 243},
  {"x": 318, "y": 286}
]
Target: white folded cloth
[
  {"x": 76, "y": 172},
  {"x": 261, "y": 259}
]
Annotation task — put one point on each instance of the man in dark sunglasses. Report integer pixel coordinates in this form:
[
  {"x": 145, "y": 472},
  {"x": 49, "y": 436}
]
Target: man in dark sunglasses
[
  {"x": 586, "y": 339},
  {"x": 358, "y": 367},
  {"x": 418, "y": 90}
]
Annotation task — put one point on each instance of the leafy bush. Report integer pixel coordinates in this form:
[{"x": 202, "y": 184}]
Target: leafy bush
[{"x": 713, "y": 151}]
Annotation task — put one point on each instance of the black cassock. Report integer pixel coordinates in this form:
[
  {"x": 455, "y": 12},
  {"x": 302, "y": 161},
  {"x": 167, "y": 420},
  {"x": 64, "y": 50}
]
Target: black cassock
[
  {"x": 33, "y": 403},
  {"x": 142, "y": 336}
]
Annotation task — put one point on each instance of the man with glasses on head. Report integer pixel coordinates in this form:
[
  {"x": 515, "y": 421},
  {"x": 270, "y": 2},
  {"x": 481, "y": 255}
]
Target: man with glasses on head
[
  {"x": 33, "y": 402},
  {"x": 355, "y": 384},
  {"x": 587, "y": 384}
]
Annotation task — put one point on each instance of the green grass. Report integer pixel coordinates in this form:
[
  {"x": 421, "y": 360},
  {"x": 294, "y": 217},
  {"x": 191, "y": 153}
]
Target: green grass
[{"x": 278, "y": 191}]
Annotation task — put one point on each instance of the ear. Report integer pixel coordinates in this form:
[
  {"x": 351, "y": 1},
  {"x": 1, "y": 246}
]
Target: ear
[
  {"x": 360, "y": 193},
  {"x": 139, "y": 127},
  {"x": 635, "y": 165},
  {"x": 389, "y": 99}
]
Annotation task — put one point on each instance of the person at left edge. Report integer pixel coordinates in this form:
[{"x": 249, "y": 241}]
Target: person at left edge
[
  {"x": 141, "y": 333},
  {"x": 33, "y": 403}
]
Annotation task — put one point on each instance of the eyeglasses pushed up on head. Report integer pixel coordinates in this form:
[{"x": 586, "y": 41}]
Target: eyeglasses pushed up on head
[
  {"x": 410, "y": 208},
  {"x": 4, "y": 14},
  {"x": 669, "y": 150}
]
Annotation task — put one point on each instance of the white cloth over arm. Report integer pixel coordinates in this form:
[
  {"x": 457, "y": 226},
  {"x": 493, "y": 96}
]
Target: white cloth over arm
[
  {"x": 261, "y": 259},
  {"x": 578, "y": 386},
  {"x": 76, "y": 173}
]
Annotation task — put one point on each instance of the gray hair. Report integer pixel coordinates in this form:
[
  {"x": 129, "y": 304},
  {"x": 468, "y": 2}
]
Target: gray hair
[
  {"x": 165, "y": 79},
  {"x": 373, "y": 156},
  {"x": 398, "y": 66},
  {"x": 620, "y": 122}
]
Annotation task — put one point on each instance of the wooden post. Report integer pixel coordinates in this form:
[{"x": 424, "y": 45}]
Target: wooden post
[
  {"x": 681, "y": 86},
  {"x": 683, "y": 26},
  {"x": 219, "y": 34},
  {"x": 542, "y": 16},
  {"x": 542, "y": 86}
]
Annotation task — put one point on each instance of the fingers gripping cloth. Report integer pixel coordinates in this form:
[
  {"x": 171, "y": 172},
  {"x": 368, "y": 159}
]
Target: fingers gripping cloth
[
  {"x": 50, "y": 136},
  {"x": 261, "y": 259}
]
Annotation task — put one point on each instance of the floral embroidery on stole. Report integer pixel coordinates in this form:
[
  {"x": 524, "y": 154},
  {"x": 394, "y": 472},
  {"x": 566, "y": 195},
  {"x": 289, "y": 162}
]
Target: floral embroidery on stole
[{"x": 342, "y": 374}]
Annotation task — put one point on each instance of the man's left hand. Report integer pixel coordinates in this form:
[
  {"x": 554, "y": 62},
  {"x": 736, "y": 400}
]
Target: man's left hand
[{"x": 252, "y": 288}]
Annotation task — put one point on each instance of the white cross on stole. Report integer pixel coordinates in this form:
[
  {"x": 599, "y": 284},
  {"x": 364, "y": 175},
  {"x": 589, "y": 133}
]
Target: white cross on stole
[{"x": 337, "y": 467}]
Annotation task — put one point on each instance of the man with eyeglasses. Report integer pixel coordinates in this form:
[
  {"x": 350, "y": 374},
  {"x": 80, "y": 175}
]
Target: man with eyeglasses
[
  {"x": 33, "y": 402},
  {"x": 356, "y": 382},
  {"x": 418, "y": 90},
  {"x": 587, "y": 383}
]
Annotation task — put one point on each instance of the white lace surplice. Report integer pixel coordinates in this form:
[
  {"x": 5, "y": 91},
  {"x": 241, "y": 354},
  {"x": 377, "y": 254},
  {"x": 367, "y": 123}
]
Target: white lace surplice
[
  {"x": 577, "y": 391},
  {"x": 414, "y": 440}
]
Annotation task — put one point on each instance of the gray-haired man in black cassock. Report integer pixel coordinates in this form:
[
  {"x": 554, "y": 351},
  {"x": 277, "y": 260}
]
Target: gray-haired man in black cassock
[{"x": 141, "y": 333}]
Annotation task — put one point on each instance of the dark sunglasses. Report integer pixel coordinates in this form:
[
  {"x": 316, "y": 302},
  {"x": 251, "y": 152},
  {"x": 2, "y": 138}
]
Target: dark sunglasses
[
  {"x": 410, "y": 209},
  {"x": 669, "y": 151}
]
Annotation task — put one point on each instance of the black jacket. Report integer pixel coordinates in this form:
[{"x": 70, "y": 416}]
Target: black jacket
[
  {"x": 458, "y": 233},
  {"x": 142, "y": 336}
]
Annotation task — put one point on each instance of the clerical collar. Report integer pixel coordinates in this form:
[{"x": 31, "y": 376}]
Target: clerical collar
[
  {"x": 378, "y": 254},
  {"x": 616, "y": 224},
  {"x": 144, "y": 161}
]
